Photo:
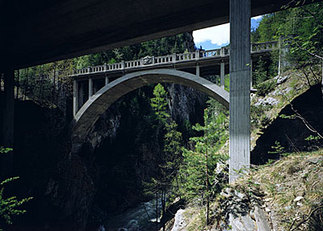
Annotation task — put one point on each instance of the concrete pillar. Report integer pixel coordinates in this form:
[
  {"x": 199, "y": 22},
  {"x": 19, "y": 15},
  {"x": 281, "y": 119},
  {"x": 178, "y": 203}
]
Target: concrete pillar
[
  {"x": 222, "y": 71},
  {"x": 8, "y": 123},
  {"x": 250, "y": 73},
  {"x": 95, "y": 87},
  {"x": 90, "y": 87},
  {"x": 75, "y": 97},
  {"x": 239, "y": 150},
  {"x": 106, "y": 80},
  {"x": 197, "y": 70},
  {"x": 81, "y": 94}
]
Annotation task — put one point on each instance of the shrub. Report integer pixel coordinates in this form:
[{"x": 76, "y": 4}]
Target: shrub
[{"x": 266, "y": 87}]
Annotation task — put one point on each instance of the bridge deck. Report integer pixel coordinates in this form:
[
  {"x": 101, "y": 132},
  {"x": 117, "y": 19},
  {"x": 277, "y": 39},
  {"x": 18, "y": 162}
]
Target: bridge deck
[{"x": 202, "y": 57}]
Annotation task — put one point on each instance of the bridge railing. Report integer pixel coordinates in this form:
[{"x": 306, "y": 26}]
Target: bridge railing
[
  {"x": 173, "y": 58},
  {"x": 224, "y": 51},
  {"x": 265, "y": 46},
  {"x": 187, "y": 56}
]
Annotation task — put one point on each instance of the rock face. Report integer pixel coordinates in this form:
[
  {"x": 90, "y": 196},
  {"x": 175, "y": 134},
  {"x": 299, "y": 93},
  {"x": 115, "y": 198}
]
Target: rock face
[
  {"x": 292, "y": 133},
  {"x": 240, "y": 211},
  {"x": 179, "y": 223}
]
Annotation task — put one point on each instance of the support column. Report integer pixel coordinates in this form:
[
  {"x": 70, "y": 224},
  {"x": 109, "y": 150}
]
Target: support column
[
  {"x": 106, "y": 80},
  {"x": 81, "y": 94},
  {"x": 197, "y": 70},
  {"x": 239, "y": 87},
  {"x": 75, "y": 97},
  {"x": 90, "y": 87},
  {"x": 251, "y": 73},
  {"x": 8, "y": 123},
  {"x": 222, "y": 71}
]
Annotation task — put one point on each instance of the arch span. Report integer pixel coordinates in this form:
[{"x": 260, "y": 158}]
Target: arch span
[{"x": 101, "y": 100}]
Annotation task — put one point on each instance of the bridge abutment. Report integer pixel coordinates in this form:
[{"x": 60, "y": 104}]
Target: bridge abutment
[{"x": 239, "y": 59}]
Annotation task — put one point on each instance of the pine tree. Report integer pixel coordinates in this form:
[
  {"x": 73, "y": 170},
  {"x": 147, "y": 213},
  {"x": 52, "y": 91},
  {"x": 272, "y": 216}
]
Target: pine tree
[
  {"x": 197, "y": 172},
  {"x": 9, "y": 206},
  {"x": 171, "y": 155}
]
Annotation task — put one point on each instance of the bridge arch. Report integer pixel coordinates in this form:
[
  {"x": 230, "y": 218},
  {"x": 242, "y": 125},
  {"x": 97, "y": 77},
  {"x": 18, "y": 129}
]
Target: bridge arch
[{"x": 90, "y": 112}]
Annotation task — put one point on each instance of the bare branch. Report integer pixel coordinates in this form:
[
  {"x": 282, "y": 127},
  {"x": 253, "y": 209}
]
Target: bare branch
[
  {"x": 305, "y": 122},
  {"x": 305, "y": 219}
]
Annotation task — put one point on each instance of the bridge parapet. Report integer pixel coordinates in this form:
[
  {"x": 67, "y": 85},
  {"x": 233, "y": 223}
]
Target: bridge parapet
[
  {"x": 149, "y": 61},
  {"x": 265, "y": 46}
]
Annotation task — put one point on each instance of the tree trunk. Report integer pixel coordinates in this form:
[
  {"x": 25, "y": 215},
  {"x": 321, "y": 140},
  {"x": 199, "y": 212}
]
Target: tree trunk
[
  {"x": 207, "y": 188},
  {"x": 156, "y": 207}
]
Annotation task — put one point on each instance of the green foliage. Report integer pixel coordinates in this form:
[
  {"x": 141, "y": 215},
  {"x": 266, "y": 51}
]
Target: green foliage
[
  {"x": 197, "y": 172},
  {"x": 10, "y": 206},
  {"x": 277, "y": 148},
  {"x": 159, "y": 103},
  {"x": 42, "y": 83},
  {"x": 5, "y": 150},
  {"x": 258, "y": 117},
  {"x": 283, "y": 116},
  {"x": 170, "y": 158},
  {"x": 266, "y": 87},
  {"x": 49, "y": 84},
  {"x": 259, "y": 75},
  {"x": 311, "y": 137},
  {"x": 301, "y": 29}
]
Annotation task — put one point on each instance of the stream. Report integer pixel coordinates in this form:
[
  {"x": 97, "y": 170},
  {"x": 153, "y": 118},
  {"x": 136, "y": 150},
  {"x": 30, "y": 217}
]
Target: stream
[{"x": 139, "y": 218}]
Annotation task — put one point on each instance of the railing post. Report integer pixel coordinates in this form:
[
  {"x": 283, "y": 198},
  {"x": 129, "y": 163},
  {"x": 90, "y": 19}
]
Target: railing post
[
  {"x": 197, "y": 54},
  {"x": 89, "y": 69},
  {"x": 222, "y": 71},
  {"x": 174, "y": 57},
  {"x": 222, "y": 51},
  {"x": 90, "y": 87},
  {"x": 122, "y": 65},
  {"x": 75, "y": 97},
  {"x": 105, "y": 66},
  {"x": 152, "y": 59}
]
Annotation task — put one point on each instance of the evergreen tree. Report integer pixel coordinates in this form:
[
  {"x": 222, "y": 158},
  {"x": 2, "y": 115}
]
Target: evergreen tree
[
  {"x": 9, "y": 206},
  {"x": 198, "y": 169},
  {"x": 170, "y": 156}
]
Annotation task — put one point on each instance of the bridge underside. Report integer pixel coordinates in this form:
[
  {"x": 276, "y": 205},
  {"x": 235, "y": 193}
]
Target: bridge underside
[
  {"x": 37, "y": 31},
  {"x": 101, "y": 100}
]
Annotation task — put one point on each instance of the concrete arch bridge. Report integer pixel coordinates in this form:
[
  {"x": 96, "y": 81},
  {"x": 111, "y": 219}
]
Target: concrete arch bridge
[{"x": 96, "y": 88}]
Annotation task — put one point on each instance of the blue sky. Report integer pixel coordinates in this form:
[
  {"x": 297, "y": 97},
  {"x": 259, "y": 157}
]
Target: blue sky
[{"x": 217, "y": 36}]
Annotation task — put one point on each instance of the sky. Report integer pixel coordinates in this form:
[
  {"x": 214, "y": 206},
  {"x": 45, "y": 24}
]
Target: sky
[{"x": 217, "y": 36}]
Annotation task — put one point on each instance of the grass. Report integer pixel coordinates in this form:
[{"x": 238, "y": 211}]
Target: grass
[
  {"x": 284, "y": 180},
  {"x": 263, "y": 115}
]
